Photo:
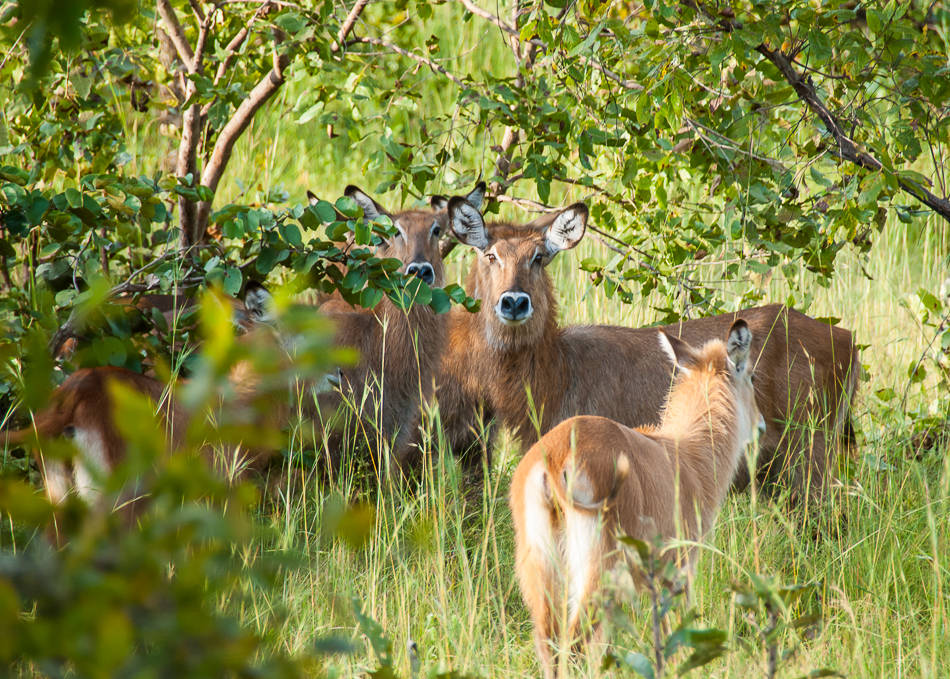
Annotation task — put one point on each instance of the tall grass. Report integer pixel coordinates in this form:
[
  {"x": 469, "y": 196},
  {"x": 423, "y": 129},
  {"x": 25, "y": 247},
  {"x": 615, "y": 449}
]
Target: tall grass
[{"x": 437, "y": 568}]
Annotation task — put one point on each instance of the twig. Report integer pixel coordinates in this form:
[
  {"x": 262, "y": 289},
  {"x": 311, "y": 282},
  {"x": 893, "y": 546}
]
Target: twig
[
  {"x": 232, "y": 130},
  {"x": 69, "y": 329},
  {"x": 425, "y": 61},
  {"x": 348, "y": 24}
]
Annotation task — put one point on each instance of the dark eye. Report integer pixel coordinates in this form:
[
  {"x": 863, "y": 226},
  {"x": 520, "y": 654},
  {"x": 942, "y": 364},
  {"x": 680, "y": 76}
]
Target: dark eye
[
  {"x": 436, "y": 231},
  {"x": 491, "y": 258},
  {"x": 538, "y": 260}
]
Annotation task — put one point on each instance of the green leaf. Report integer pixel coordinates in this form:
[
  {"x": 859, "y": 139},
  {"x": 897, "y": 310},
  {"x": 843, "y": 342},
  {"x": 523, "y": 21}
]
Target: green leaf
[
  {"x": 640, "y": 664},
  {"x": 73, "y": 198}
]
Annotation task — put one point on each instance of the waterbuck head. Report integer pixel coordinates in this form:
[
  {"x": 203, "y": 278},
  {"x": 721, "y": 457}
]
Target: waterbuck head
[
  {"x": 727, "y": 360},
  {"x": 416, "y": 242},
  {"x": 509, "y": 274}
]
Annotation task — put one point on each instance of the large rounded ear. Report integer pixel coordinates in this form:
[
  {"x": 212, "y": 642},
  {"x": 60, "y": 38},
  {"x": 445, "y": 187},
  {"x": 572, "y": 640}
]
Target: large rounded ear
[
  {"x": 476, "y": 196},
  {"x": 312, "y": 197},
  {"x": 567, "y": 229},
  {"x": 738, "y": 344},
  {"x": 467, "y": 223},
  {"x": 681, "y": 354},
  {"x": 371, "y": 209}
]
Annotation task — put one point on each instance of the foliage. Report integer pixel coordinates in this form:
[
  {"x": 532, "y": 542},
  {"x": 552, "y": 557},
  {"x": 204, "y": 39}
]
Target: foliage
[
  {"x": 163, "y": 595},
  {"x": 766, "y": 606}
]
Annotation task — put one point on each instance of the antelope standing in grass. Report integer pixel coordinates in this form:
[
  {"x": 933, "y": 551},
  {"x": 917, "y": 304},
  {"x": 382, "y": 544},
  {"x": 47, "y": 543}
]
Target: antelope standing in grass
[
  {"x": 399, "y": 350},
  {"x": 807, "y": 370},
  {"x": 590, "y": 479}
]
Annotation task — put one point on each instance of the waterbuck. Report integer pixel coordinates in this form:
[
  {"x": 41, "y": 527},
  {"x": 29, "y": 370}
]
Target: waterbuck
[
  {"x": 400, "y": 350},
  {"x": 591, "y": 478},
  {"x": 512, "y": 359}
]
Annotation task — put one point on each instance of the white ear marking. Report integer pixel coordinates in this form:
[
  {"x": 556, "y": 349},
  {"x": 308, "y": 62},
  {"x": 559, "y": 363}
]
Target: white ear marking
[
  {"x": 667, "y": 348},
  {"x": 738, "y": 345},
  {"x": 567, "y": 229},
  {"x": 371, "y": 209},
  {"x": 400, "y": 229},
  {"x": 467, "y": 223}
]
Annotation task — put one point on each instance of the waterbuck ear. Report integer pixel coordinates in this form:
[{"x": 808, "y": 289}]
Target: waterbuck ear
[
  {"x": 738, "y": 344},
  {"x": 258, "y": 302},
  {"x": 476, "y": 195},
  {"x": 312, "y": 197},
  {"x": 438, "y": 203},
  {"x": 567, "y": 229},
  {"x": 371, "y": 209},
  {"x": 681, "y": 355},
  {"x": 467, "y": 223}
]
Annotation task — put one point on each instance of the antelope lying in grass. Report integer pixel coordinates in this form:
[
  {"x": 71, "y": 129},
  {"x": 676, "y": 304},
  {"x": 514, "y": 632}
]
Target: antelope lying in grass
[
  {"x": 590, "y": 479},
  {"x": 807, "y": 370}
]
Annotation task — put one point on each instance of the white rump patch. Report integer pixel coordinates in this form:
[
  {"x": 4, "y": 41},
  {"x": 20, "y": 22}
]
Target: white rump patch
[
  {"x": 92, "y": 463},
  {"x": 581, "y": 541},
  {"x": 56, "y": 479}
]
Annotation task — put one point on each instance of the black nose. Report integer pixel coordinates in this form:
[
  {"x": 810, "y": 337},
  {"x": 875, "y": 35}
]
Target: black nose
[
  {"x": 514, "y": 306},
  {"x": 423, "y": 270}
]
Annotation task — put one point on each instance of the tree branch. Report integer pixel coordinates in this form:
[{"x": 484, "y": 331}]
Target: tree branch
[
  {"x": 348, "y": 24},
  {"x": 425, "y": 61},
  {"x": 175, "y": 32},
  {"x": 847, "y": 148},
  {"x": 230, "y": 133}
]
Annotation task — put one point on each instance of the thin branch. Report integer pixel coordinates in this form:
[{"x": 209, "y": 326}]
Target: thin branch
[
  {"x": 847, "y": 148},
  {"x": 348, "y": 24},
  {"x": 425, "y": 61},
  {"x": 71, "y": 327},
  {"x": 488, "y": 16},
  {"x": 232, "y": 130},
  {"x": 196, "y": 8},
  {"x": 176, "y": 33}
]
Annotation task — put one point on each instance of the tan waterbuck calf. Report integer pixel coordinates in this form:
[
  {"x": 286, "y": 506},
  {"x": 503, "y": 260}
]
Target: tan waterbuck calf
[
  {"x": 590, "y": 479},
  {"x": 807, "y": 370}
]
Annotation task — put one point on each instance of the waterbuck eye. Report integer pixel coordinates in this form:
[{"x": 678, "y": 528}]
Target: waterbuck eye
[
  {"x": 538, "y": 259},
  {"x": 436, "y": 230}
]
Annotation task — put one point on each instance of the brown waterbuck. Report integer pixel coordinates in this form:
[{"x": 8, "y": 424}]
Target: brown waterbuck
[
  {"x": 590, "y": 479},
  {"x": 400, "y": 350},
  {"x": 511, "y": 359}
]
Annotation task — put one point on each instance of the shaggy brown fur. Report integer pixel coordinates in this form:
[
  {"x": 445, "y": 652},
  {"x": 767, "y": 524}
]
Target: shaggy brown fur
[
  {"x": 399, "y": 350},
  {"x": 807, "y": 370},
  {"x": 591, "y": 478}
]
